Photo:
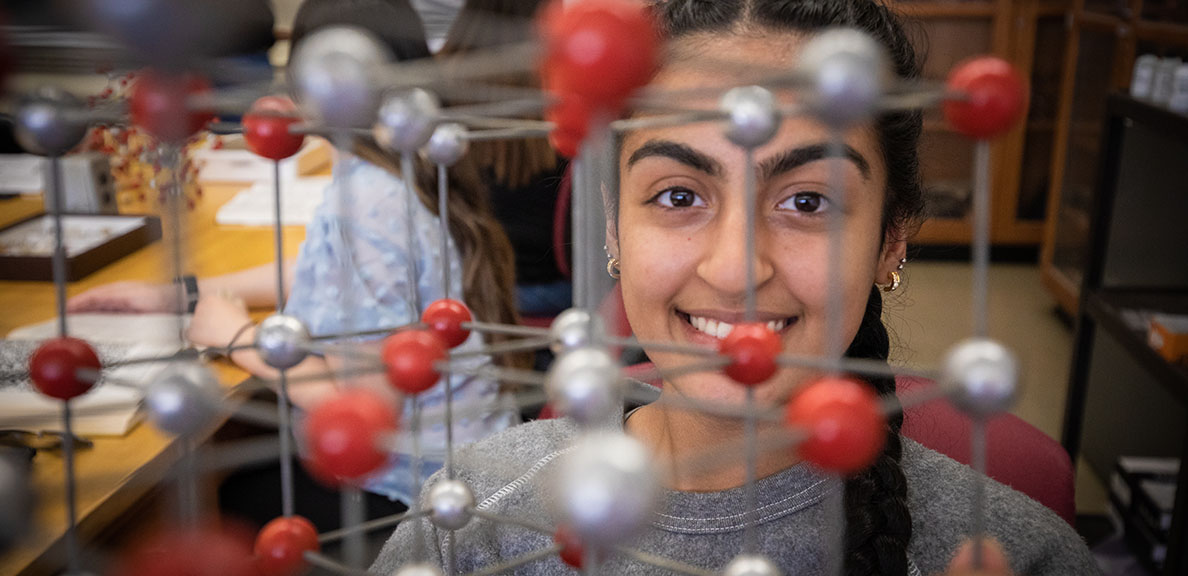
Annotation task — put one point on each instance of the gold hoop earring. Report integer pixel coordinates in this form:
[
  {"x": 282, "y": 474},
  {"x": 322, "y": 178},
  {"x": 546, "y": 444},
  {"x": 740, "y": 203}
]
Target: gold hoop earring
[
  {"x": 894, "y": 285},
  {"x": 612, "y": 268}
]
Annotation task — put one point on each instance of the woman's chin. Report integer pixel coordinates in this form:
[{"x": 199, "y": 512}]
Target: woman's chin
[{"x": 720, "y": 390}]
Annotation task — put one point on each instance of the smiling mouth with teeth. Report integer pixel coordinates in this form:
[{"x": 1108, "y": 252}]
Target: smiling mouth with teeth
[{"x": 720, "y": 328}]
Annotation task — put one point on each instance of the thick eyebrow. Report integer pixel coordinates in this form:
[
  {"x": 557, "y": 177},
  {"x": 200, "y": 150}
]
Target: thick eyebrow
[
  {"x": 790, "y": 160},
  {"x": 676, "y": 151}
]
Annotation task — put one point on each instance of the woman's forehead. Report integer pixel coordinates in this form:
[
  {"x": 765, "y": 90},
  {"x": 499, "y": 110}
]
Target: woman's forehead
[
  {"x": 734, "y": 58},
  {"x": 701, "y": 67}
]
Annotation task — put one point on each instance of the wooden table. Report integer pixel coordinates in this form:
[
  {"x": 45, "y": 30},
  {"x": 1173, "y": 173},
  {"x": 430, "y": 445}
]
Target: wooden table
[
  {"x": 14, "y": 210},
  {"x": 118, "y": 472}
]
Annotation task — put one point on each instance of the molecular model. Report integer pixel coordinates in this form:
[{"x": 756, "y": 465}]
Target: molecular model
[{"x": 346, "y": 85}]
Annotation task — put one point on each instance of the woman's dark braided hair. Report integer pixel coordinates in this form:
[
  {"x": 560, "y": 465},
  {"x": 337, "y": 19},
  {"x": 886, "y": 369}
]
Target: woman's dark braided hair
[{"x": 878, "y": 522}]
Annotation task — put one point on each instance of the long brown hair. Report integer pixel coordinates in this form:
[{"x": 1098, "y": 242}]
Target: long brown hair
[
  {"x": 485, "y": 24},
  {"x": 488, "y": 263}
]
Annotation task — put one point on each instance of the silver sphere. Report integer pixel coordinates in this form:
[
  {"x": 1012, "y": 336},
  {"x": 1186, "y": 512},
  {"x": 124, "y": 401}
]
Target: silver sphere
[
  {"x": 16, "y": 513},
  {"x": 407, "y": 120},
  {"x": 335, "y": 71},
  {"x": 447, "y": 145},
  {"x": 418, "y": 570},
  {"x": 450, "y": 502},
  {"x": 847, "y": 72},
  {"x": 574, "y": 328},
  {"x": 606, "y": 489},
  {"x": 282, "y": 341},
  {"x": 751, "y": 565},
  {"x": 585, "y": 384},
  {"x": 184, "y": 399},
  {"x": 983, "y": 374},
  {"x": 753, "y": 115},
  {"x": 50, "y": 122}
]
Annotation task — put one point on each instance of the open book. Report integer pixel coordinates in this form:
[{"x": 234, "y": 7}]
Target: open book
[{"x": 112, "y": 407}]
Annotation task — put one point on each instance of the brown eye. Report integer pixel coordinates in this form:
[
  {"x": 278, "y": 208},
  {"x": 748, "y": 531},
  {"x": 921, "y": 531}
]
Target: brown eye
[
  {"x": 679, "y": 198},
  {"x": 806, "y": 202}
]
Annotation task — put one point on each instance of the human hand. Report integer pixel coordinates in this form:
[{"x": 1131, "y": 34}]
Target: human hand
[
  {"x": 994, "y": 561},
  {"x": 126, "y": 297},
  {"x": 217, "y": 319}
]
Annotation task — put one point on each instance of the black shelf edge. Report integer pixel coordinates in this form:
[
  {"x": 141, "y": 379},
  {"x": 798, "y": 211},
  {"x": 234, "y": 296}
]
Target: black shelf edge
[
  {"x": 1105, "y": 307},
  {"x": 1163, "y": 121}
]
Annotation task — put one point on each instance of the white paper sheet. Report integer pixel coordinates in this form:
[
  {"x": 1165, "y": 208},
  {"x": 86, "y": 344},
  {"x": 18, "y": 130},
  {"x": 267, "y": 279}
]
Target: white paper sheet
[{"x": 108, "y": 409}]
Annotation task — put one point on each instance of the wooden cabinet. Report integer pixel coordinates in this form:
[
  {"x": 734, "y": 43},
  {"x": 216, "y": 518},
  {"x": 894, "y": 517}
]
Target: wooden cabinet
[
  {"x": 1104, "y": 38},
  {"x": 1032, "y": 35}
]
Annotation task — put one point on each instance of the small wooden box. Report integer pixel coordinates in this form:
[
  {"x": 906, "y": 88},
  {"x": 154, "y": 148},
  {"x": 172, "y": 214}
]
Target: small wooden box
[{"x": 93, "y": 241}]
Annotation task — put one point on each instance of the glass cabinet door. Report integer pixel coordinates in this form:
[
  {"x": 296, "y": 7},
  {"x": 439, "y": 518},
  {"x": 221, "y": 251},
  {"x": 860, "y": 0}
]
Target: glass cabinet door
[
  {"x": 1166, "y": 11},
  {"x": 1051, "y": 35},
  {"x": 1111, "y": 7},
  {"x": 1096, "y": 52},
  {"x": 946, "y": 157}
]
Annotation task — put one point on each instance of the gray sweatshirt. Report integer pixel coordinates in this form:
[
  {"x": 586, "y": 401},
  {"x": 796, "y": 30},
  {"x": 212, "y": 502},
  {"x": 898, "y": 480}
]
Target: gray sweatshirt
[{"x": 798, "y": 508}]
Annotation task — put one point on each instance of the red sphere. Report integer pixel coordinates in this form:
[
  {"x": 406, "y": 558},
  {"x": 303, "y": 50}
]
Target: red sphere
[
  {"x": 160, "y": 104},
  {"x": 266, "y": 128},
  {"x": 203, "y": 551},
  {"x": 570, "y": 116},
  {"x": 278, "y": 105},
  {"x": 410, "y": 356},
  {"x": 572, "y": 553},
  {"x": 752, "y": 349},
  {"x": 994, "y": 97},
  {"x": 601, "y": 49},
  {"x": 54, "y": 367},
  {"x": 566, "y": 144},
  {"x": 281, "y": 546},
  {"x": 319, "y": 473},
  {"x": 846, "y": 429},
  {"x": 445, "y": 318},
  {"x": 342, "y": 433}
]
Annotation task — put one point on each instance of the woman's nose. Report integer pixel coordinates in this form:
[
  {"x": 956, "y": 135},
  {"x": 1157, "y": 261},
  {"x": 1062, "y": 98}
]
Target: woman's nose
[{"x": 724, "y": 262}]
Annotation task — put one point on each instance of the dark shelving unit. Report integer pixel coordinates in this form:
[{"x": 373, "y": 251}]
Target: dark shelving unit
[
  {"x": 1124, "y": 398},
  {"x": 1107, "y": 307}
]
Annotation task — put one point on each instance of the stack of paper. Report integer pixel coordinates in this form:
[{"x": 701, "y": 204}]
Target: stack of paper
[
  {"x": 22, "y": 173},
  {"x": 112, "y": 407},
  {"x": 256, "y": 206},
  {"x": 234, "y": 163}
]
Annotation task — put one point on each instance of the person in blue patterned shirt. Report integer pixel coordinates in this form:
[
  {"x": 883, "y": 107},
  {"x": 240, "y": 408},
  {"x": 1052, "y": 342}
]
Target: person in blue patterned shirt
[{"x": 354, "y": 269}]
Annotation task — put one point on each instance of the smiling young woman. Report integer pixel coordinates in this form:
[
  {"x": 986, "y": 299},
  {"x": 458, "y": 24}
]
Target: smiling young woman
[
  {"x": 681, "y": 231},
  {"x": 680, "y": 236},
  {"x": 678, "y": 227}
]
